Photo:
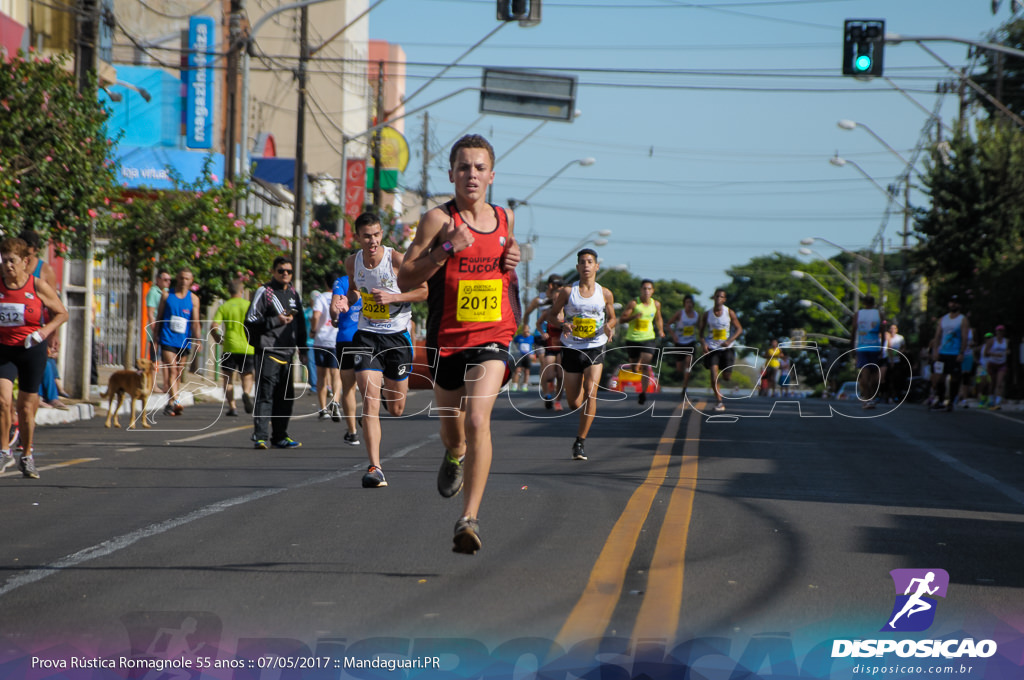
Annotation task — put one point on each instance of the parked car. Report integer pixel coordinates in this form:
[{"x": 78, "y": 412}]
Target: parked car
[{"x": 848, "y": 390}]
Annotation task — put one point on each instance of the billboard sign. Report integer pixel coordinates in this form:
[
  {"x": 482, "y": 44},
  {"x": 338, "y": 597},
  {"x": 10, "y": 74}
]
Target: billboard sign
[{"x": 199, "y": 87}]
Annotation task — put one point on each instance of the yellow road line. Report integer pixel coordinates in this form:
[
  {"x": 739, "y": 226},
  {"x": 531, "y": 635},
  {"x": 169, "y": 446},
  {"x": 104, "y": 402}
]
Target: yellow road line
[
  {"x": 663, "y": 597},
  {"x": 67, "y": 463},
  {"x": 593, "y": 612}
]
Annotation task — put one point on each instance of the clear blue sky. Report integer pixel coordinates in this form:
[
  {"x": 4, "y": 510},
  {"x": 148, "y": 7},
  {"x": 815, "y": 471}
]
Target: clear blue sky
[{"x": 711, "y": 121}]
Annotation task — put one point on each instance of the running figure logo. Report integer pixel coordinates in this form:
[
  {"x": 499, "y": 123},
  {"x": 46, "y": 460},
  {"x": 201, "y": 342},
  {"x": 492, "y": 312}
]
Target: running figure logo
[{"x": 916, "y": 590}]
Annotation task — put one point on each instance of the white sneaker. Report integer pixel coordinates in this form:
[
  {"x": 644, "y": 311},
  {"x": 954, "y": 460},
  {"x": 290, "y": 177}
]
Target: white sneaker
[
  {"x": 6, "y": 461},
  {"x": 719, "y": 406}
]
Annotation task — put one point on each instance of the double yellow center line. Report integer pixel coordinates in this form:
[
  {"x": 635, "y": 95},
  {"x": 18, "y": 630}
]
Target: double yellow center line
[{"x": 659, "y": 612}]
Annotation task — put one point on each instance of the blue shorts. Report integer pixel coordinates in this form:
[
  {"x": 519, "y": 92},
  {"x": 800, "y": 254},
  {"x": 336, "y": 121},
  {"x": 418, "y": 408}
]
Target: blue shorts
[{"x": 873, "y": 357}]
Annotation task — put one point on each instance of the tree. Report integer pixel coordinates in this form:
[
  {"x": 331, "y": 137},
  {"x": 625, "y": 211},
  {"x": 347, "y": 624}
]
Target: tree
[
  {"x": 1003, "y": 74},
  {"x": 191, "y": 226},
  {"x": 54, "y": 170},
  {"x": 972, "y": 236}
]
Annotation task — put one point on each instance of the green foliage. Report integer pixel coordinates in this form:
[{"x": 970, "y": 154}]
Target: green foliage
[
  {"x": 1002, "y": 75},
  {"x": 54, "y": 172},
  {"x": 973, "y": 234},
  {"x": 323, "y": 258},
  {"x": 193, "y": 226}
]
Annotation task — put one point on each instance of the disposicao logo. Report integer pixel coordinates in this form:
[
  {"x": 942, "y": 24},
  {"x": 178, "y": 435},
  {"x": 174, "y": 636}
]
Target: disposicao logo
[
  {"x": 916, "y": 590},
  {"x": 914, "y": 611}
]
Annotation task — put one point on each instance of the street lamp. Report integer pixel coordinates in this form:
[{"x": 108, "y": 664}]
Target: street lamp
[
  {"x": 585, "y": 162},
  {"x": 852, "y": 124},
  {"x": 840, "y": 162},
  {"x": 853, "y": 286},
  {"x": 809, "y": 241},
  {"x": 807, "y": 304},
  {"x": 797, "y": 274}
]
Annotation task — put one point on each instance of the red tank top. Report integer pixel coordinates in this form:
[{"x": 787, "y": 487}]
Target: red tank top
[
  {"x": 468, "y": 297},
  {"x": 21, "y": 312}
]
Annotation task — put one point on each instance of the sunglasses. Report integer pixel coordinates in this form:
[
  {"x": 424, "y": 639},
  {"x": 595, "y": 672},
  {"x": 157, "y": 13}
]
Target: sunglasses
[{"x": 284, "y": 271}]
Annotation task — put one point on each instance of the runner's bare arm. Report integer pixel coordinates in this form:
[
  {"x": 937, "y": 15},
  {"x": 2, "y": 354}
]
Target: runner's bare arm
[
  {"x": 425, "y": 256},
  {"x": 659, "y": 322},
  {"x": 739, "y": 327},
  {"x": 551, "y": 313},
  {"x": 609, "y": 313},
  {"x": 51, "y": 300},
  {"x": 413, "y": 295}
]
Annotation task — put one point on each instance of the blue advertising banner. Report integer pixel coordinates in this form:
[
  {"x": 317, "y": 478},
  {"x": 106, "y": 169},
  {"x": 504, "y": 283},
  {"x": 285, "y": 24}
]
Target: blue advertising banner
[{"x": 199, "y": 83}]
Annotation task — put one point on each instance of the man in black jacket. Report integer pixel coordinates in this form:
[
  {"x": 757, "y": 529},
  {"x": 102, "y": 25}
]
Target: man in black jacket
[{"x": 276, "y": 328}]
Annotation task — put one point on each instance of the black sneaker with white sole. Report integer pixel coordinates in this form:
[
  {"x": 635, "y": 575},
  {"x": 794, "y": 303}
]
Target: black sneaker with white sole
[
  {"x": 449, "y": 477},
  {"x": 467, "y": 536},
  {"x": 352, "y": 438},
  {"x": 577, "y": 450},
  {"x": 374, "y": 478}
]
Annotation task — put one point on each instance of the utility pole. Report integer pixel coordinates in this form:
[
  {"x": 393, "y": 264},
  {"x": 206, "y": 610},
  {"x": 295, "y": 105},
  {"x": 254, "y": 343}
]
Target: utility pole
[
  {"x": 378, "y": 193},
  {"x": 426, "y": 158},
  {"x": 300, "y": 151},
  {"x": 86, "y": 42},
  {"x": 231, "y": 91}
]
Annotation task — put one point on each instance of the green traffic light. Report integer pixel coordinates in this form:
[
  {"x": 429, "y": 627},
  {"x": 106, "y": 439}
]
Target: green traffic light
[{"x": 862, "y": 63}]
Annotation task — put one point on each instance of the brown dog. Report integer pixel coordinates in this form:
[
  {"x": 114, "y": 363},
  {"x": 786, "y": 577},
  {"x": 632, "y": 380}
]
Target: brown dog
[{"x": 136, "y": 385}]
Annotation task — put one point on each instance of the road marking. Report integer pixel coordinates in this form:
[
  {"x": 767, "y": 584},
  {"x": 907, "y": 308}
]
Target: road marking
[
  {"x": 1010, "y": 492},
  {"x": 663, "y": 598},
  {"x": 593, "y": 612},
  {"x": 119, "y": 543},
  {"x": 208, "y": 435}
]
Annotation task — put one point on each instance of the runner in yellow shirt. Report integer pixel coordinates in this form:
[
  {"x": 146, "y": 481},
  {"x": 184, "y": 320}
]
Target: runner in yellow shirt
[{"x": 644, "y": 318}]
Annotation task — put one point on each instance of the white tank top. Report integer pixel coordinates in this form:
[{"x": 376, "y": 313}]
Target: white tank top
[
  {"x": 686, "y": 328},
  {"x": 584, "y": 319},
  {"x": 996, "y": 355},
  {"x": 375, "y": 317},
  {"x": 718, "y": 328}
]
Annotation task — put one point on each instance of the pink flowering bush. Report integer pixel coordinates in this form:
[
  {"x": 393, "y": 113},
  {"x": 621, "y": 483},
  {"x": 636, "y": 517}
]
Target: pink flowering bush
[{"x": 53, "y": 152}]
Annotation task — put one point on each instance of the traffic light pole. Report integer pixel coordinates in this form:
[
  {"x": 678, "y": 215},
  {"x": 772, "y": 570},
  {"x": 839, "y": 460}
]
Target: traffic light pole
[{"x": 973, "y": 85}]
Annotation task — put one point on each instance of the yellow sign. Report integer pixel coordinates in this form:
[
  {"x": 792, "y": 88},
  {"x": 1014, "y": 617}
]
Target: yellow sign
[{"x": 394, "y": 150}]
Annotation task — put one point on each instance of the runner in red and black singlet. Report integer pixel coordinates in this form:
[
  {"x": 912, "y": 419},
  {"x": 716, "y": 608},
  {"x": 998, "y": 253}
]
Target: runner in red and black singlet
[
  {"x": 471, "y": 294},
  {"x": 30, "y": 312},
  {"x": 466, "y": 251}
]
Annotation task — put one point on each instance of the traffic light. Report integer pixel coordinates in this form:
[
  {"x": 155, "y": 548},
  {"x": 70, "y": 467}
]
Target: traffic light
[
  {"x": 519, "y": 10},
  {"x": 863, "y": 47}
]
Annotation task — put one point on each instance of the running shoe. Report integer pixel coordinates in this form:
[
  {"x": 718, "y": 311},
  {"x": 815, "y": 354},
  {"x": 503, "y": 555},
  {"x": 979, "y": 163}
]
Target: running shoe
[
  {"x": 996, "y": 407},
  {"x": 352, "y": 438},
  {"x": 169, "y": 409},
  {"x": 642, "y": 398},
  {"x": 260, "y": 444},
  {"x": 449, "y": 477},
  {"x": 577, "y": 450},
  {"x": 286, "y": 443},
  {"x": 467, "y": 536},
  {"x": 6, "y": 461},
  {"x": 374, "y": 478},
  {"x": 28, "y": 467},
  {"x": 232, "y": 412},
  {"x": 558, "y": 405},
  {"x": 548, "y": 402},
  {"x": 324, "y": 414},
  {"x": 719, "y": 406},
  {"x": 335, "y": 408},
  {"x": 247, "y": 403},
  {"x": 178, "y": 409}
]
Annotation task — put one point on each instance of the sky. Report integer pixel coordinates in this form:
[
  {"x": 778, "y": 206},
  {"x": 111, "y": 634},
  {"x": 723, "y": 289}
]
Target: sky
[{"x": 711, "y": 122}]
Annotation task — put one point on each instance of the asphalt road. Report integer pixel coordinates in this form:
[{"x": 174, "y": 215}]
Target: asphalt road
[{"x": 782, "y": 520}]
